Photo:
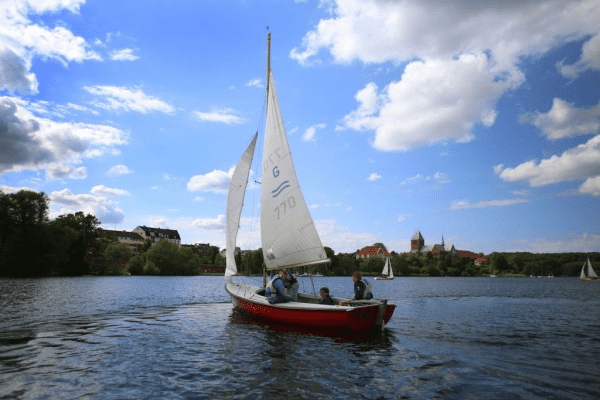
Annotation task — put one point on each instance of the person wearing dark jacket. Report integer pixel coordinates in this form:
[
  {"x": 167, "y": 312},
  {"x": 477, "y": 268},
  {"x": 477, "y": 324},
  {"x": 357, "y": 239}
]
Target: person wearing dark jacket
[
  {"x": 362, "y": 287},
  {"x": 325, "y": 297}
]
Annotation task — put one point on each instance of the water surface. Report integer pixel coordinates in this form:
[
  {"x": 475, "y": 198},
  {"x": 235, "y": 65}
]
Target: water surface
[{"x": 178, "y": 337}]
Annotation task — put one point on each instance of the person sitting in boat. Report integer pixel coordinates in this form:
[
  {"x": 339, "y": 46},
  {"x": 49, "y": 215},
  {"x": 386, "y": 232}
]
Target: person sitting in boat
[
  {"x": 325, "y": 297},
  {"x": 275, "y": 291},
  {"x": 362, "y": 287},
  {"x": 291, "y": 285}
]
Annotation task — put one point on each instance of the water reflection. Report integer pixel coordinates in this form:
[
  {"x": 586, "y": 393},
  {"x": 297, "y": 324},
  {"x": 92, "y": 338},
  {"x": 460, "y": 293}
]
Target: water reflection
[{"x": 377, "y": 338}]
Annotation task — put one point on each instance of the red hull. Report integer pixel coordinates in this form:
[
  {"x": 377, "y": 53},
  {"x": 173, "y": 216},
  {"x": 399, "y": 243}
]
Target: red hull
[{"x": 344, "y": 318}]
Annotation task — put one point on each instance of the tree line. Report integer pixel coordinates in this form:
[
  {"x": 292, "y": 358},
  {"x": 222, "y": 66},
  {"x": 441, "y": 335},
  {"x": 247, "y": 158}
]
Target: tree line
[{"x": 71, "y": 245}]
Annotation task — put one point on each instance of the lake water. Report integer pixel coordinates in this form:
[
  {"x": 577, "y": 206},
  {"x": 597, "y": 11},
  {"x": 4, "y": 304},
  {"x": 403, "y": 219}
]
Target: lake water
[{"x": 178, "y": 338}]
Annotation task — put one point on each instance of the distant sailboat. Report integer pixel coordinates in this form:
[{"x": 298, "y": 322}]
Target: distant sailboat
[
  {"x": 590, "y": 275},
  {"x": 387, "y": 274}
]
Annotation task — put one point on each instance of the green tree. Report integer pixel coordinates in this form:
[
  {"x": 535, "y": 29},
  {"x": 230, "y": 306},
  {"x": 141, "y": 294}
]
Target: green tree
[
  {"x": 147, "y": 245},
  {"x": 381, "y": 245},
  {"x": 117, "y": 256},
  {"x": 498, "y": 263},
  {"x": 136, "y": 264},
  {"x": 163, "y": 256},
  {"x": 188, "y": 262},
  {"x": 86, "y": 245},
  {"x": 400, "y": 265},
  {"x": 151, "y": 269},
  {"x": 214, "y": 252},
  {"x": 96, "y": 257},
  {"x": 22, "y": 219},
  {"x": 344, "y": 264}
]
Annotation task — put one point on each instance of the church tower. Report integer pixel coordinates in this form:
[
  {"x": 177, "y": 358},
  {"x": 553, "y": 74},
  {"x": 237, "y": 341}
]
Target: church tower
[{"x": 416, "y": 242}]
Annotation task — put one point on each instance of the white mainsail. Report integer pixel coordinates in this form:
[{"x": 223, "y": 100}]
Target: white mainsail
[
  {"x": 235, "y": 202},
  {"x": 288, "y": 233}
]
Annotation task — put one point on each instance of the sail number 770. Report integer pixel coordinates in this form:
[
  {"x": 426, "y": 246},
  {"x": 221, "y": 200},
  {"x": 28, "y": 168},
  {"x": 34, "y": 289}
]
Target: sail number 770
[{"x": 282, "y": 208}]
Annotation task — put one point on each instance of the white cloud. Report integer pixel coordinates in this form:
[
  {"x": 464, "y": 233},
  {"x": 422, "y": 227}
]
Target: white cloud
[
  {"x": 464, "y": 204},
  {"x": 402, "y": 217},
  {"x": 13, "y": 189},
  {"x": 217, "y": 223},
  {"x": 374, "y": 176},
  {"x": 375, "y": 31},
  {"x": 31, "y": 142},
  {"x": 439, "y": 177},
  {"x": 61, "y": 171},
  {"x": 22, "y": 40},
  {"x": 216, "y": 181},
  {"x": 591, "y": 186},
  {"x": 15, "y": 75},
  {"x": 123, "y": 55},
  {"x": 590, "y": 59},
  {"x": 564, "y": 120},
  {"x": 435, "y": 101},
  {"x": 225, "y": 115},
  {"x": 105, "y": 191},
  {"x": 523, "y": 192},
  {"x": 462, "y": 57},
  {"x": 574, "y": 243},
  {"x": 65, "y": 202},
  {"x": 119, "y": 170},
  {"x": 412, "y": 179},
  {"x": 257, "y": 83},
  {"x": 581, "y": 162},
  {"x": 117, "y": 98},
  {"x": 341, "y": 239},
  {"x": 309, "y": 134}
]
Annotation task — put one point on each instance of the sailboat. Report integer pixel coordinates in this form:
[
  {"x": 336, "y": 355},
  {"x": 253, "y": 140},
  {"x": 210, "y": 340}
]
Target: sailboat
[
  {"x": 289, "y": 237},
  {"x": 590, "y": 275},
  {"x": 387, "y": 274}
]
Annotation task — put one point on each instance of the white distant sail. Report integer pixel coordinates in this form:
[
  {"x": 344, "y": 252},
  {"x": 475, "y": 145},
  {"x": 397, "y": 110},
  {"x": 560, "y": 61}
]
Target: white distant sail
[
  {"x": 387, "y": 270},
  {"x": 235, "y": 202},
  {"x": 288, "y": 233},
  {"x": 591, "y": 272}
]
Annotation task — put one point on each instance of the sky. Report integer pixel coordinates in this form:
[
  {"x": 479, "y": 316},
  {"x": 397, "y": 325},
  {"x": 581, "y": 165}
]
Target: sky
[{"x": 475, "y": 121}]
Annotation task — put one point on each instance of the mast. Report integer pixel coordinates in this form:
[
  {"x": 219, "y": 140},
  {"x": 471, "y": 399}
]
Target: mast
[
  {"x": 268, "y": 65},
  {"x": 266, "y": 108}
]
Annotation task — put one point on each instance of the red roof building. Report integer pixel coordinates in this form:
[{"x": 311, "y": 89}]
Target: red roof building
[
  {"x": 371, "y": 251},
  {"x": 467, "y": 254}
]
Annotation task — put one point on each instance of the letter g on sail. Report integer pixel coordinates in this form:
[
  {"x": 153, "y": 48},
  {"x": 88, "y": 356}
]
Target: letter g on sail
[{"x": 275, "y": 171}]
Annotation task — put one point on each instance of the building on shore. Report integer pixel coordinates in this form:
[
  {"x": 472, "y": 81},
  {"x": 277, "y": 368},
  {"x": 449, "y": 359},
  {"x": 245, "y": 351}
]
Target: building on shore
[
  {"x": 372, "y": 251},
  {"x": 156, "y": 234},
  {"x": 417, "y": 245},
  {"x": 132, "y": 239}
]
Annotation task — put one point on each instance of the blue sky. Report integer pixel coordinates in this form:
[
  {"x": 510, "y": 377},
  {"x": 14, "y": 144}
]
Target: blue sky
[{"x": 475, "y": 120}]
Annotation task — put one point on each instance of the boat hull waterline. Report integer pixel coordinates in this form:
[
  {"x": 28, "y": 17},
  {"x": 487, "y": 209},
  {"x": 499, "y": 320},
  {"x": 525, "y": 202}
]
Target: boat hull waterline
[{"x": 311, "y": 315}]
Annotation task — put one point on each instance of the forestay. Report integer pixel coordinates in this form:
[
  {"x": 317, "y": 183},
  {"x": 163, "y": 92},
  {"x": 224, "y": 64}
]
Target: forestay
[
  {"x": 235, "y": 202},
  {"x": 289, "y": 236}
]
